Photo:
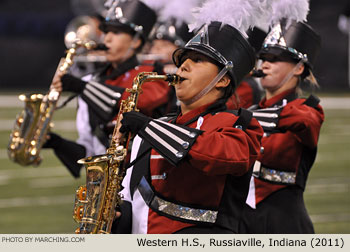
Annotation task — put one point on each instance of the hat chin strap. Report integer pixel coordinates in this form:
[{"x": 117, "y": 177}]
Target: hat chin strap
[
  {"x": 291, "y": 73},
  {"x": 228, "y": 66}
]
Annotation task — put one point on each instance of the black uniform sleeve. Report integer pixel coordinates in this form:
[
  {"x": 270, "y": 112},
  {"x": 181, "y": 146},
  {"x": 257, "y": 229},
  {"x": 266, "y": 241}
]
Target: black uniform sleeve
[
  {"x": 67, "y": 151},
  {"x": 268, "y": 118},
  {"x": 172, "y": 141},
  {"x": 102, "y": 99},
  {"x": 72, "y": 84},
  {"x": 123, "y": 224}
]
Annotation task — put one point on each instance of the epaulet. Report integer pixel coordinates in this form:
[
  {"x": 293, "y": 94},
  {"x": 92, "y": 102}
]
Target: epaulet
[
  {"x": 171, "y": 141},
  {"x": 312, "y": 101},
  {"x": 244, "y": 118}
]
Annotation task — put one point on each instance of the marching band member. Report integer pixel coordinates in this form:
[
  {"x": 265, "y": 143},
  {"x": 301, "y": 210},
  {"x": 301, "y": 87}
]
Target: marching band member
[
  {"x": 291, "y": 126},
  {"x": 126, "y": 28},
  {"x": 171, "y": 32},
  {"x": 191, "y": 172}
]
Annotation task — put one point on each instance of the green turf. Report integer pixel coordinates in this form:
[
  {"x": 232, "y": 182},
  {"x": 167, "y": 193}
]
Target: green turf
[
  {"x": 331, "y": 174},
  {"x": 327, "y": 193}
]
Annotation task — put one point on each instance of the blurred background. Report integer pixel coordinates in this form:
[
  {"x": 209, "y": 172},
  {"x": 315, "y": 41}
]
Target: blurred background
[{"x": 40, "y": 199}]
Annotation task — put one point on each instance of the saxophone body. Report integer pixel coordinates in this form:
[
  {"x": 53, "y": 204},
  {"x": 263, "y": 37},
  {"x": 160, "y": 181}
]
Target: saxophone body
[
  {"x": 34, "y": 122},
  {"x": 96, "y": 202}
]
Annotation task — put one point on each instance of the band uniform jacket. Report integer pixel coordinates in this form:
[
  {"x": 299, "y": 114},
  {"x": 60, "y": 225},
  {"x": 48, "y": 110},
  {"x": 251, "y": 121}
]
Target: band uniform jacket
[
  {"x": 154, "y": 95},
  {"x": 290, "y": 148},
  {"x": 247, "y": 93},
  {"x": 200, "y": 179}
]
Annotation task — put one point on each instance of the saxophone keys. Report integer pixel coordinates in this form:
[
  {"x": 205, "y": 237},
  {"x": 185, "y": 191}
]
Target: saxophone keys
[
  {"x": 33, "y": 151},
  {"x": 22, "y": 97},
  {"x": 81, "y": 193},
  {"x": 78, "y": 213},
  {"x": 120, "y": 151},
  {"x": 118, "y": 159},
  {"x": 20, "y": 120}
]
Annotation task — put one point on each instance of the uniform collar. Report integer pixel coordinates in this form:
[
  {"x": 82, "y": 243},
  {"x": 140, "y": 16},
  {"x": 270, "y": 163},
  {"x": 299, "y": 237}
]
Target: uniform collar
[
  {"x": 288, "y": 95},
  {"x": 193, "y": 115},
  {"x": 110, "y": 73},
  {"x": 182, "y": 119}
]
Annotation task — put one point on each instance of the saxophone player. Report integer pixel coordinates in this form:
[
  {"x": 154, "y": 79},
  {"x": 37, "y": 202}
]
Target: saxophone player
[
  {"x": 99, "y": 94},
  {"x": 191, "y": 171}
]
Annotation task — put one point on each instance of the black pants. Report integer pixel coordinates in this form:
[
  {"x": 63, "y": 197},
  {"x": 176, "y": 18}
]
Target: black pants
[{"x": 283, "y": 212}]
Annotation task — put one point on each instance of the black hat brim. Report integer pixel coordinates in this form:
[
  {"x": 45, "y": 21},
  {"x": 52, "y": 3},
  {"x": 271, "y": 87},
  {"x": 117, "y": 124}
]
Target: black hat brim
[
  {"x": 179, "y": 53},
  {"x": 116, "y": 26},
  {"x": 283, "y": 53}
]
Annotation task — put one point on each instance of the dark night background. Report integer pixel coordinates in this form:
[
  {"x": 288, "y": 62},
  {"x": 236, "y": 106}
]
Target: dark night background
[{"x": 31, "y": 42}]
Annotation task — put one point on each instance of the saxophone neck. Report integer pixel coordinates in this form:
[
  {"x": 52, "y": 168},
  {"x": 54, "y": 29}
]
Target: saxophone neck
[{"x": 173, "y": 79}]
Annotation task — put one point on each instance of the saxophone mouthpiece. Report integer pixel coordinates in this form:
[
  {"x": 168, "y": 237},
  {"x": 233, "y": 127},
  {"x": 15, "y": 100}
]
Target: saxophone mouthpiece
[
  {"x": 101, "y": 47},
  {"x": 257, "y": 73},
  {"x": 174, "y": 79}
]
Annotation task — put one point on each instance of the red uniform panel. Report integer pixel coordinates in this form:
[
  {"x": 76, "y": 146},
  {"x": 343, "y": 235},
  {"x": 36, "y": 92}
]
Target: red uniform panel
[
  {"x": 245, "y": 94},
  {"x": 154, "y": 94},
  {"x": 200, "y": 179}
]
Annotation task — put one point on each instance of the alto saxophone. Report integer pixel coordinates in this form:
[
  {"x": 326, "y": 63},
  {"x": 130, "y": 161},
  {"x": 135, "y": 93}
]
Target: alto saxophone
[
  {"x": 96, "y": 202},
  {"x": 33, "y": 123}
]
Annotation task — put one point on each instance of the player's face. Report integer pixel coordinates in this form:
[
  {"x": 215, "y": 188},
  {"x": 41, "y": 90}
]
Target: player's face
[
  {"x": 276, "y": 69},
  {"x": 198, "y": 71},
  {"x": 118, "y": 46}
]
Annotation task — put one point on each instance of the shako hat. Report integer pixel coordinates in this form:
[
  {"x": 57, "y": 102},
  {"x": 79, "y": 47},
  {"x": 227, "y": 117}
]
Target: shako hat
[
  {"x": 298, "y": 42},
  {"x": 290, "y": 37},
  {"x": 221, "y": 34},
  {"x": 222, "y": 43},
  {"x": 256, "y": 37},
  {"x": 171, "y": 31},
  {"x": 131, "y": 16},
  {"x": 173, "y": 19}
]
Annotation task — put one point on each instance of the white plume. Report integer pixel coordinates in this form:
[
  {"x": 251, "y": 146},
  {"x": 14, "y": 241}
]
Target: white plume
[
  {"x": 290, "y": 9},
  {"x": 241, "y": 14},
  {"x": 180, "y": 10}
]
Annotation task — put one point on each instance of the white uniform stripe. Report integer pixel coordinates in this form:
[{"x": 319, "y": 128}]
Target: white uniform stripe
[
  {"x": 99, "y": 94},
  {"x": 186, "y": 132},
  {"x": 269, "y": 109},
  {"x": 266, "y": 124},
  {"x": 139, "y": 207},
  {"x": 96, "y": 101},
  {"x": 161, "y": 141},
  {"x": 168, "y": 133},
  {"x": 157, "y": 177},
  {"x": 157, "y": 157},
  {"x": 105, "y": 89},
  {"x": 250, "y": 201},
  {"x": 267, "y": 115}
]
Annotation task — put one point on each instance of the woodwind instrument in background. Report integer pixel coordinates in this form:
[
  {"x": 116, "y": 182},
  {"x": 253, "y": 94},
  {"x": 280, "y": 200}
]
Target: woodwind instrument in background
[
  {"x": 96, "y": 202},
  {"x": 33, "y": 124}
]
